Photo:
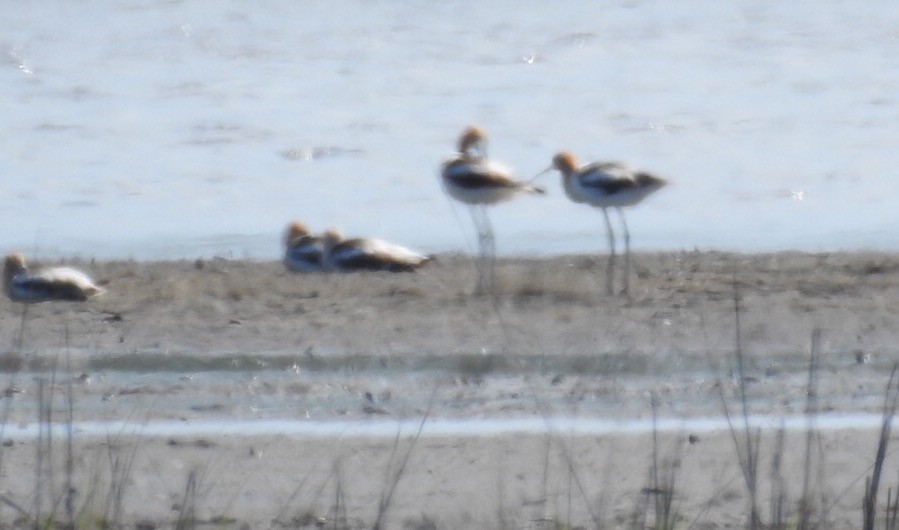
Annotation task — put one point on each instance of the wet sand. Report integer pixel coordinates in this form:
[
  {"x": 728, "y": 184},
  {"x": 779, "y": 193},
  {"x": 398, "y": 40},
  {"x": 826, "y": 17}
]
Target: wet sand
[
  {"x": 681, "y": 304},
  {"x": 320, "y": 346}
]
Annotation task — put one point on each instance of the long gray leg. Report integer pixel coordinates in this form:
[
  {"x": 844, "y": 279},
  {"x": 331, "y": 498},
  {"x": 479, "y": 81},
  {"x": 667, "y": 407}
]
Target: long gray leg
[
  {"x": 610, "y": 270},
  {"x": 21, "y": 336},
  {"x": 627, "y": 253},
  {"x": 490, "y": 251},
  {"x": 486, "y": 249},
  {"x": 476, "y": 213}
]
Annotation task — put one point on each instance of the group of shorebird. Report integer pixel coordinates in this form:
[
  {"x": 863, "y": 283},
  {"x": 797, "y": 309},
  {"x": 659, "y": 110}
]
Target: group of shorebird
[
  {"x": 468, "y": 177},
  {"x": 471, "y": 178}
]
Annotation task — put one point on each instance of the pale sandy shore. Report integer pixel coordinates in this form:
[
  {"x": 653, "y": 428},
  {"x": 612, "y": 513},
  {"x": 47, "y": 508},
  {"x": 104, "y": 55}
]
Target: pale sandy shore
[{"x": 221, "y": 340}]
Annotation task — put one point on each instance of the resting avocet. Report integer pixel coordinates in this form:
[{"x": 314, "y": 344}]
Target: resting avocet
[
  {"x": 470, "y": 178},
  {"x": 303, "y": 251},
  {"x": 56, "y": 283},
  {"x": 366, "y": 254},
  {"x": 607, "y": 185}
]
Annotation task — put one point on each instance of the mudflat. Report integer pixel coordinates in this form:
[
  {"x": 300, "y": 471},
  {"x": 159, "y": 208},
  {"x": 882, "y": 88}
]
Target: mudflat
[
  {"x": 681, "y": 303},
  {"x": 220, "y": 340}
]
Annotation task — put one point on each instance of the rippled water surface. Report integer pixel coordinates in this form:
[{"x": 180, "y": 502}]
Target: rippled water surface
[{"x": 176, "y": 129}]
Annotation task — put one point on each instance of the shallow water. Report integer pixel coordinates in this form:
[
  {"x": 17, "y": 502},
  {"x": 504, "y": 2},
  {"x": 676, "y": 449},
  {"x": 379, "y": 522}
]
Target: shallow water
[
  {"x": 468, "y": 428},
  {"x": 159, "y": 129},
  {"x": 150, "y": 396}
]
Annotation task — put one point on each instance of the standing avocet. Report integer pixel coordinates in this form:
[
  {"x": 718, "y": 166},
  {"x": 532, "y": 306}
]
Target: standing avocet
[
  {"x": 303, "y": 251},
  {"x": 470, "y": 178},
  {"x": 607, "y": 185},
  {"x": 56, "y": 283},
  {"x": 366, "y": 254}
]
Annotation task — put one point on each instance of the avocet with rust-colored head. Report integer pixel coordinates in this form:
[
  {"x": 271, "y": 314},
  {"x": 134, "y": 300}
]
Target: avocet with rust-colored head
[
  {"x": 607, "y": 185},
  {"x": 43, "y": 285},
  {"x": 470, "y": 178},
  {"x": 368, "y": 254},
  {"x": 303, "y": 251}
]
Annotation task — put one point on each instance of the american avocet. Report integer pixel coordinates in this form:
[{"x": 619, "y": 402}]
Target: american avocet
[
  {"x": 606, "y": 185},
  {"x": 470, "y": 178},
  {"x": 473, "y": 143},
  {"x": 366, "y": 254},
  {"x": 303, "y": 251},
  {"x": 57, "y": 283}
]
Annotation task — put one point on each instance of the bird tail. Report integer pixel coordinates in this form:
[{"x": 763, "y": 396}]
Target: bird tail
[{"x": 94, "y": 290}]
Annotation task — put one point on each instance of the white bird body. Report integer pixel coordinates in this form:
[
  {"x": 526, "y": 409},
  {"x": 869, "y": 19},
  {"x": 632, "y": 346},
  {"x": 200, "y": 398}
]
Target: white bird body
[
  {"x": 368, "y": 254},
  {"x": 477, "y": 181},
  {"x": 56, "y": 283},
  {"x": 609, "y": 184}
]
